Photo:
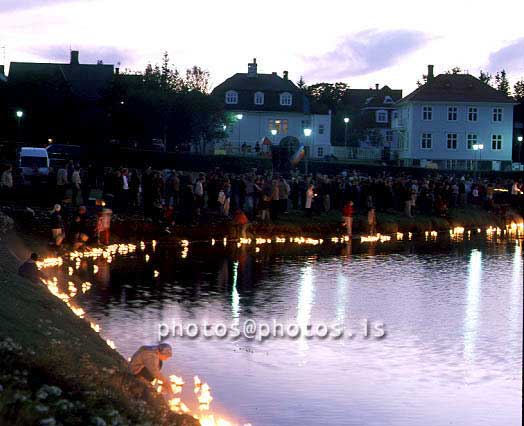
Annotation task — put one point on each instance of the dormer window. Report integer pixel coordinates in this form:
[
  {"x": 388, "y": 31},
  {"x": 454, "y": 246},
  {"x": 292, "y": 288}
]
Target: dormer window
[
  {"x": 286, "y": 99},
  {"x": 388, "y": 100},
  {"x": 259, "y": 98},
  {"x": 231, "y": 97}
]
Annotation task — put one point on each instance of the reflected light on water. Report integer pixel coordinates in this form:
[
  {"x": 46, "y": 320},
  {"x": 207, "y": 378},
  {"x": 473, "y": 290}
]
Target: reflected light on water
[
  {"x": 472, "y": 305},
  {"x": 342, "y": 283},
  {"x": 235, "y": 297},
  {"x": 515, "y": 306},
  {"x": 305, "y": 301}
]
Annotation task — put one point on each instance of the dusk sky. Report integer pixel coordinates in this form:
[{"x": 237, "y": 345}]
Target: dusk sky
[{"x": 360, "y": 43}]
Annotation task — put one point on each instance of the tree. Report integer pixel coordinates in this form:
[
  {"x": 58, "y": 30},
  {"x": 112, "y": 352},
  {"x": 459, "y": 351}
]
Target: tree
[
  {"x": 301, "y": 83},
  {"x": 197, "y": 79},
  {"x": 502, "y": 83},
  {"x": 485, "y": 77},
  {"x": 518, "y": 90},
  {"x": 424, "y": 80},
  {"x": 454, "y": 70},
  {"x": 328, "y": 96}
]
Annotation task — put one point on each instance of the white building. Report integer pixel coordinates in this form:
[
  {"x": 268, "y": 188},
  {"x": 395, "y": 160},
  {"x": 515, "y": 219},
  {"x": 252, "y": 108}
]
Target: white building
[
  {"x": 270, "y": 108},
  {"x": 455, "y": 121}
]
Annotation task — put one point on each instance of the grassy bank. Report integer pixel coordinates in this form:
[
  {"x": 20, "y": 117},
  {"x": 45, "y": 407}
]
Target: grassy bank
[{"x": 56, "y": 370}]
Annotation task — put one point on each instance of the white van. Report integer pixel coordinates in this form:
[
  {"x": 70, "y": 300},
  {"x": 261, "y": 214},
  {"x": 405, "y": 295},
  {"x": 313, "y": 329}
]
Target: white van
[{"x": 32, "y": 159}]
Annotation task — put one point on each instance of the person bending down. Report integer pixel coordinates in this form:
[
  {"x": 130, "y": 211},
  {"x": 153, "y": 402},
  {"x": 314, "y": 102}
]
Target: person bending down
[{"x": 147, "y": 362}]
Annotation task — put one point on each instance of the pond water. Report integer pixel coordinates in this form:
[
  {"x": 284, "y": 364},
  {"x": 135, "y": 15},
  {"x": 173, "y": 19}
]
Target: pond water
[{"x": 452, "y": 313}]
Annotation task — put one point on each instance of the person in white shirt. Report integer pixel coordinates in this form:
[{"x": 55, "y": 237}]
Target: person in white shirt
[{"x": 76, "y": 181}]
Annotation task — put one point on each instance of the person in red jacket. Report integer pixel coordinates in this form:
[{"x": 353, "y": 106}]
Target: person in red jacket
[
  {"x": 347, "y": 216},
  {"x": 240, "y": 222}
]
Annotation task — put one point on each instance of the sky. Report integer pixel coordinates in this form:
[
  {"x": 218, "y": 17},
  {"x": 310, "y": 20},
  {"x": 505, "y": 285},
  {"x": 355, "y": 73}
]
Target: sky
[{"x": 359, "y": 43}]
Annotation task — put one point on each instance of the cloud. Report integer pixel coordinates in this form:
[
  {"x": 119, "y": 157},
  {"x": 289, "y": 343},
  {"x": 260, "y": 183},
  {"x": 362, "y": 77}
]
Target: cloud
[
  {"x": 365, "y": 52},
  {"x": 88, "y": 54},
  {"x": 12, "y": 5},
  {"x": 510, "y": 57}
]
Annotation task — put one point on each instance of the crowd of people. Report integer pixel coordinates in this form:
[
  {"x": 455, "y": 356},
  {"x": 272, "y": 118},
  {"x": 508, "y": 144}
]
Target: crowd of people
[{"x": 171, "y": 196}]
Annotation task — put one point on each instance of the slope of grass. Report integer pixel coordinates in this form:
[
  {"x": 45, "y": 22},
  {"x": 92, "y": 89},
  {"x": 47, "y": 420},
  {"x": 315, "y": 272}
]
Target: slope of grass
[{"x": 56, "y": 370}]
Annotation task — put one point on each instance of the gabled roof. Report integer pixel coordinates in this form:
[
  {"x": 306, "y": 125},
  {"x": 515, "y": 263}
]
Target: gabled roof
[
  {"x": 85, "y": 80},
  {"x": 456, "y": 88},
  {"x": 263, "y": 82},
  {"x": 373, "y": 98}
]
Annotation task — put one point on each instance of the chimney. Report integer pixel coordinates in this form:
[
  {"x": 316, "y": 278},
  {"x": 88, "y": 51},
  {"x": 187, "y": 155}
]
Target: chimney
[
  {"x": 2, "y": 70},
  {"x": 431, "y": 76},
  {"x": 376, "y": 86},
  {"x": 286, "y": 74},
  {"x": 252, "y": 68},
  {"x": 74, "y": 57},
  {"x": 117, "y": 70}
]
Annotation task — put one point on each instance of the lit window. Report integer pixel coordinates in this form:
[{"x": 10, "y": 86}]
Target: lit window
[
  {"x": 472, "y": 140},
  {"x": 286, "y": 99},
  {"x": 496, "y": 142},
  {"x": 259, "y": 98},
  {"x": 382, "y": 117},
  {"x": 320, "y": 129},
  {"x": 473, "y": 114},
  {"x": 320, "y": 151},
  {"x": 231, "y": 97},
  {"x": 279, "y": 125},
  {"x": 426, "y": 141},
  {"x": 427, "y": 113},
  {"x": 452, "y": 140},
  {"x": 452, "y": 113},
  {"x": 497, "y": 114}
]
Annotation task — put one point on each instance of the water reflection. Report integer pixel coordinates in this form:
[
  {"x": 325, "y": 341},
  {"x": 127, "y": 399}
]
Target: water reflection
[
  {"x": 472, "y": 305},
  {"x": 449, "y": 311}
]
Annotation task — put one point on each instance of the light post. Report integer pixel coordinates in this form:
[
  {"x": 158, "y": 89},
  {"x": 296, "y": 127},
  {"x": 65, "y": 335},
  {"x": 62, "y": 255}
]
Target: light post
[
  {"x": 239, "y": 117},
  {"x": 307, "y": 134},
  {"x": 19, "y": 114},
  {"x": 346, "y": 121},
  {"x": 478, "y": 147},
  {"x": 273, "y": 133},
  {"x": 519, "y": 139}
]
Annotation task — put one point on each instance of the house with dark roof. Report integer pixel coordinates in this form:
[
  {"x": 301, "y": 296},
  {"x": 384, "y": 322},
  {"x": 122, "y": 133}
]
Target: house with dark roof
[
  {"x": 455, "y": 121},
  {"x": 86, "y": 81},
  {"x": 375, "y": 110},
  {"x": 271, "y": 108}
]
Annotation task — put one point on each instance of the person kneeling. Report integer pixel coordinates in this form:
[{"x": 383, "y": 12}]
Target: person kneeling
[{"x": 147, "y": 362}]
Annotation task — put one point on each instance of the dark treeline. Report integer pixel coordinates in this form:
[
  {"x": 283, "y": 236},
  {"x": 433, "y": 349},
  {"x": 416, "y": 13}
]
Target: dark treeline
[{"x": 132, "y": 110}]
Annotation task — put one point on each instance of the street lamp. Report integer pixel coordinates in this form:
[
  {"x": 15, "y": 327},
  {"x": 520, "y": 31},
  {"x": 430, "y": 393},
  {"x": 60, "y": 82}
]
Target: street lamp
[
  {"x": 519, "y": 139},
  {"x": 239, "y": 117},
  {"x": 346, "y": 121},
  {"x": 307, "y": 134},
  {"x": 19, "y": 114},
  {"x": 478, "y": 147}
]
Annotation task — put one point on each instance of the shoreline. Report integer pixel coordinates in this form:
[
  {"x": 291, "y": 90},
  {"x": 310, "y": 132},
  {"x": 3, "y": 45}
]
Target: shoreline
[{"x": 56, "y": 369}]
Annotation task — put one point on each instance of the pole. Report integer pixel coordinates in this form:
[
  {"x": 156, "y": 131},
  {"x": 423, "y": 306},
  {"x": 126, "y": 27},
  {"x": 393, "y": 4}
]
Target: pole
[
  {"x": 306, "y": 152},
  {"x": 346, "y": 140}
]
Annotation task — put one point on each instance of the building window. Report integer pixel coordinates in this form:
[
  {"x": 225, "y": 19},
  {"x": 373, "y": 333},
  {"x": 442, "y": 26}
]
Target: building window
[
  {"x": 473, "y": 114},
  {"x": 452, "y": 140},
  {"x": 231, "y": 97},
  {"x": 389, "y": 136},
  {"x": 451, "y": 164},
  {"x": 426, "y": 141},
  {"x": 286, "y": 99},
  {"x": 320, "y": 129},
  {"x": 320, "y": 151},
  {"x": 472, "y": 140},
  {"x": 259, "y": 98},
  {"x": 395, "y": 115},
  {"x": 279, "y": 125},
  {"x": 452, "y": 113},
  {"x": 388, "y": 100},
  {"x": 381, "y": 117},
  {"x": 497, "y": 114},
  {"x": 427, "y": 113},
  {"x": 470, "y": 165},
  {"x": 496, "y": 142}
]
